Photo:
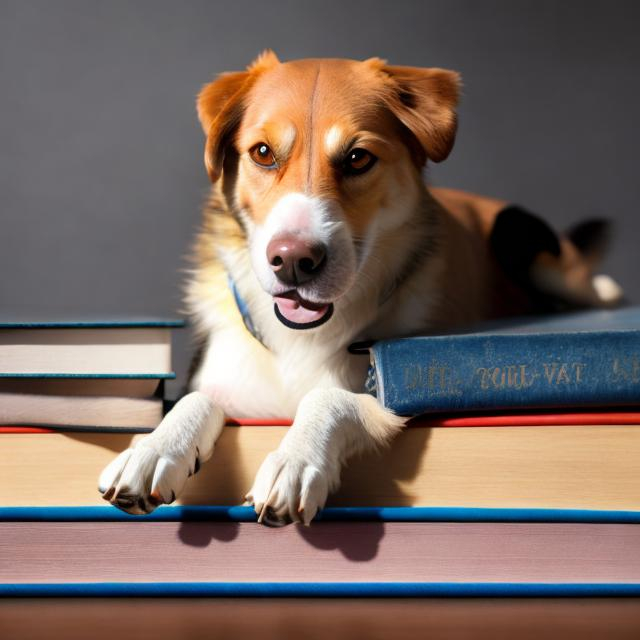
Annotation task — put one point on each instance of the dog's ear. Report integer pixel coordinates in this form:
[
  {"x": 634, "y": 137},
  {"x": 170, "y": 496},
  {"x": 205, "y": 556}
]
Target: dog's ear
[
  {"x": 220, "y": 105},
  {"x": 424, "y": 100}
]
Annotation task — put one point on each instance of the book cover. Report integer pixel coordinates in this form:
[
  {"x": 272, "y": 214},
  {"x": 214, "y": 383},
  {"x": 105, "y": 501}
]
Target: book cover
[
  {"x": 335, "y": 618},
  {"x": 574, "y": 360}
]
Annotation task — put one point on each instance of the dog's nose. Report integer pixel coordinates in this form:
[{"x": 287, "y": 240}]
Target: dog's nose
[{"x": 294, "y": 260}]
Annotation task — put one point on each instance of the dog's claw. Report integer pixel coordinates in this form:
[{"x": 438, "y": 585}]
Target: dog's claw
[
  {"x": 108, "y": 494},
  {"x": 141, "y": 479},
  {"x": 287, "y": 489},
  {"x": 156, "y": 499}
]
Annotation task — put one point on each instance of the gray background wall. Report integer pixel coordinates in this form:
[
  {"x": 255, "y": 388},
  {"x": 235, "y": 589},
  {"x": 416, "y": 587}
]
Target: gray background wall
[{"x": 101, "y": 174}]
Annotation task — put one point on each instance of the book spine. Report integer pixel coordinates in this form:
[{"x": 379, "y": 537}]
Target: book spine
[{"x": 501, "y": 372}]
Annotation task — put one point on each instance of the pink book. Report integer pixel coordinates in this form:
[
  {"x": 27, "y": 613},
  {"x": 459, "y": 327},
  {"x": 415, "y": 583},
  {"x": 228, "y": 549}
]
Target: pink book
[{"x": 347, "y": 551}]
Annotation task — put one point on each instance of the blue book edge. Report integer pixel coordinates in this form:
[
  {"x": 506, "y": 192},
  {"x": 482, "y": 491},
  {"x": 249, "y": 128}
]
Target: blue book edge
[
  {"x": 115, "y": 323},
  {"x": 100, "y": 376},
  {"x": 350, "y": 514},
  {"x": 321, "y": 589}
]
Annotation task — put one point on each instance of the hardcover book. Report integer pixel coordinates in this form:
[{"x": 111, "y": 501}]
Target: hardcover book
[
  {"x": 335, "y": 618},
  {"x": 126, "y": 387},
  {"x": 82, "y": 410},
  {"x": 357, "y": 552},
  {"x": 574, "y": 360},
  {"x": 110, "y": 349},
  {"x": 563, "y": 461}
]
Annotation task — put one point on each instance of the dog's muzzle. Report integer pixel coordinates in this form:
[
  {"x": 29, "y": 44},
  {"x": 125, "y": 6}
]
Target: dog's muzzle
[{"x": 296, "y": 261}]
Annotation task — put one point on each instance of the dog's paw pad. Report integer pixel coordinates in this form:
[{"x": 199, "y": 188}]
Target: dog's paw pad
[{"x": 271, "y": 518}]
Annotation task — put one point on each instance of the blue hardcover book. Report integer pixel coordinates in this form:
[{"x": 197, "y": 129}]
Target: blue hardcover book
[
  {"x": 86, "y": 348},
  {"x": 221, "y": 551},
  {"x": 574, "y": 360}
]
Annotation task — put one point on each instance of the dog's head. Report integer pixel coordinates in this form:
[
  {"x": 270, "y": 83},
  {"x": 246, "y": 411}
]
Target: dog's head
[{"x": 319, "y": 159}]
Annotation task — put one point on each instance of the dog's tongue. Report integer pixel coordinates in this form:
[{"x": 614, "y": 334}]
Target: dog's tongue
[{"x": 294, "y": 310}]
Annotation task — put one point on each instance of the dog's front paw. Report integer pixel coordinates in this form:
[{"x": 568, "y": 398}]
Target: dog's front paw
[
  {"x": 143, "y": 477},
  {"x": 289, "y": 488}
]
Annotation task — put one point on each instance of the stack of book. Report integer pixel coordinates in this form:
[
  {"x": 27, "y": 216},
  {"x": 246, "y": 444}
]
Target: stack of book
[
  {"x": 84, "y": 375},
  {"x": 521, "y": 477}
]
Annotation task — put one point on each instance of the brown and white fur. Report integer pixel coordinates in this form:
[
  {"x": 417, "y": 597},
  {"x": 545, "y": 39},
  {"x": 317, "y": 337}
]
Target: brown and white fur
[{"x": 397, "y": 259}]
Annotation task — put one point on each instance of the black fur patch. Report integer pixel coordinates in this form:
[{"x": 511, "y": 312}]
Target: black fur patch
[
  {"x": 517, "y": 237},
  {"x": 591, "y": 237}
]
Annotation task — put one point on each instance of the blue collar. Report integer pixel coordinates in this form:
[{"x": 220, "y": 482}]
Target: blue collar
[
  {"x": 243, "y": 308},
  {"x": 357, "y": 348}
]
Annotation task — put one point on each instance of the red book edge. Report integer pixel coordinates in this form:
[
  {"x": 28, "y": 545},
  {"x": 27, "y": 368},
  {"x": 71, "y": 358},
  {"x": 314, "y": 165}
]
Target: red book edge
[{"x": 542, "y": 419}]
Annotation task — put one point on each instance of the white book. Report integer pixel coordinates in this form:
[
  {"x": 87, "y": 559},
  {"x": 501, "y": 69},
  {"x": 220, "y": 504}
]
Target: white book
[
  {"x": 79, "y": 411},
  {"x": 139, "y": 348}
]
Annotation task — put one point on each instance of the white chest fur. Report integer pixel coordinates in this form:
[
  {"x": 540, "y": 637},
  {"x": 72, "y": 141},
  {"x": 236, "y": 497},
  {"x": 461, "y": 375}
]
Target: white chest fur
[{"x": 247, "y": 380}]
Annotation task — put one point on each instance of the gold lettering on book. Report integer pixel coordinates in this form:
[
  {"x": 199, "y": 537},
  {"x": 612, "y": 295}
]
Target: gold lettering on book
[
  {"x": 507, "y": 377},
  {"x": 411, "y": 375},
  {"x": 522, "y": 376},
  {"x": 626, "y": 369},
  {"x": 550, "y": 371},
  {"x": 440, "y": 379},
  {"x": 435, "y": 378},
  {"x": 563, "y": 372}
]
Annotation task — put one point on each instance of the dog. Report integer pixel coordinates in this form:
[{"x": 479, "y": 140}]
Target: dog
[{"x": 320, "y": 232}]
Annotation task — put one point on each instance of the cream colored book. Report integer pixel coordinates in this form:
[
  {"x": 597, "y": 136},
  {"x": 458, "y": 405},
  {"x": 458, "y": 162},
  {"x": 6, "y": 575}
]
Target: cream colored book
[
  {"x": 114, "y": 348},
  {"x": 569, "y": 467},
  {"x": 86, "y": 411}
]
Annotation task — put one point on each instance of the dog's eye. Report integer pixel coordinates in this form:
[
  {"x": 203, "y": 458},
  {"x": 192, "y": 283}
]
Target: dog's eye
[
  {"x": 358, "y": 161},
  {"x": 262, "y": 155}
]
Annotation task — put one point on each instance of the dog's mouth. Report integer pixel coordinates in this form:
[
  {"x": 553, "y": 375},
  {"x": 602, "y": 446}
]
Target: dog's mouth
[{"x": 297, "y": 313}]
